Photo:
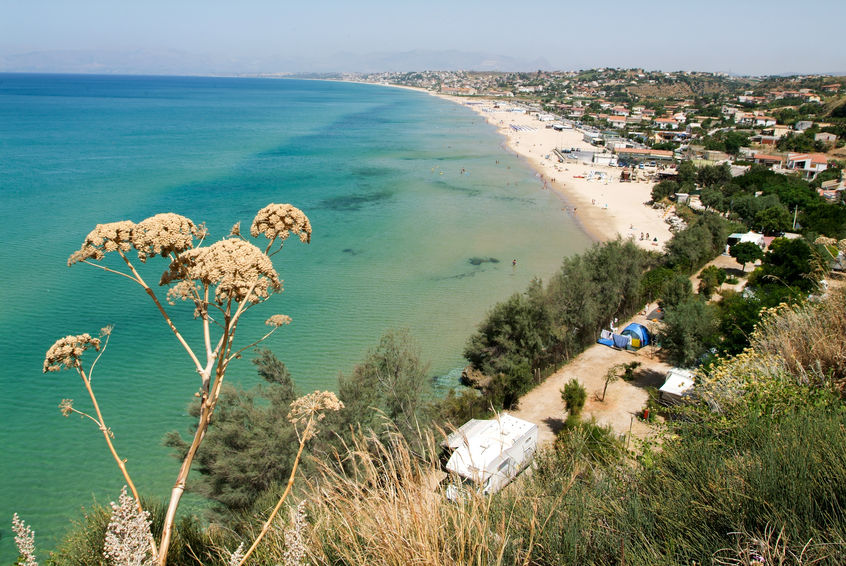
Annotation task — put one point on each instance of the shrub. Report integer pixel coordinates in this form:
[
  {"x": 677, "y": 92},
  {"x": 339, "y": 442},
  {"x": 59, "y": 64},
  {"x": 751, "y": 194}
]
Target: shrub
[{"x": 574, "y": 396}]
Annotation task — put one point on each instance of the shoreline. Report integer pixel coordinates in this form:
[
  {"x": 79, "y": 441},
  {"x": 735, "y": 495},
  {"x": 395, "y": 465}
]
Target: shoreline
[{"x": 603, "y": 209}]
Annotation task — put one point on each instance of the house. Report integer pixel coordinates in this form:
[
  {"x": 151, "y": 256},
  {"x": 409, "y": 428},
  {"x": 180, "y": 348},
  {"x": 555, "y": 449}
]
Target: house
[
  {"x": 488, "y": 454},
  {"x": 808, "y": 164},
  {"x": 764, "y": 140},
  {"x": 780, "y": 130},
  {"x": 740, "y": 237},
  {"x": 802, "y": 125},
  {"x": 630, "y": 153},
  {"x": 617, "y": 121},
  {"x": 593, "y": 138},
  {"x": 768, "y": 160},
  {"x": 749, "y": 99},
  {"x": 832, "y": 190},
  {"x": 666, "y": 123},
  {"x": 607, "y": 159},
  {"x": 825, "y": 137},
  {"x": 763, "y": 121}
]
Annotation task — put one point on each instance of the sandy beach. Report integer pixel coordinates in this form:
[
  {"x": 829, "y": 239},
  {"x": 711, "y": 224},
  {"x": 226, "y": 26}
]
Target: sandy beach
[{"x": 604, "y": 208}]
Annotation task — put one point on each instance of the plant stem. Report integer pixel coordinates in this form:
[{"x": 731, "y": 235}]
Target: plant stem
[
  {"x": 121, "y": 463},
  {"x": 290, "y": 484}
]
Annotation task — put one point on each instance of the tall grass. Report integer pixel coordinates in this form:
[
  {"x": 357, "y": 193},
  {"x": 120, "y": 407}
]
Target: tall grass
[
  {"x": 382, "y": 506},
  {"x": 809, "y": 339}
]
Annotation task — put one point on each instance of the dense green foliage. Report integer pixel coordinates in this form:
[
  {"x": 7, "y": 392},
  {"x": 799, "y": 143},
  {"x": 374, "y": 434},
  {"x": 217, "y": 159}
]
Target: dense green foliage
[
  {"x": 391, "y": 382},
  {"x": 251, "y": 445},
  {"x": 766, "y": 201},
  {"x": 546, "y": 325},
  {"x": 746, "y": 252},
  {"x": 574, "y": 396},
  {"x": 689, "y": 331}
]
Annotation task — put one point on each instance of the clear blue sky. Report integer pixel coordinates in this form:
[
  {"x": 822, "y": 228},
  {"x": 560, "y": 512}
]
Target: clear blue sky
[{"x": 740, "y": 36}]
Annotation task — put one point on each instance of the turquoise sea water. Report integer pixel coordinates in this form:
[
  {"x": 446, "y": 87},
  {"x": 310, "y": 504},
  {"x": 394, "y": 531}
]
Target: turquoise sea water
[{"x": 377, "y": 170}]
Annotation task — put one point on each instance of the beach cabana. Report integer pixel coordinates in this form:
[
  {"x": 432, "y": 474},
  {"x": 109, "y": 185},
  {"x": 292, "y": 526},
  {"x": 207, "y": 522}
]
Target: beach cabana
[{"x": 639, "y": 335}]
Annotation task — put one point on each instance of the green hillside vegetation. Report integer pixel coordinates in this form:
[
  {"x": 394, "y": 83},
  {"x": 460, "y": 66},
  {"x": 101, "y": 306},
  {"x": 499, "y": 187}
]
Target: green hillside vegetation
[{"x": 750, "y": 471}]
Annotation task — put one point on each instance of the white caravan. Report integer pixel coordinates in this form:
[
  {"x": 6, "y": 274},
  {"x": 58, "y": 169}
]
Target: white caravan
[{"x": 487, "y": 455}]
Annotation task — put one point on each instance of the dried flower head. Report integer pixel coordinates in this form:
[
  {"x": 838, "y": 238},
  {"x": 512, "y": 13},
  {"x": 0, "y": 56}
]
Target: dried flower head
[
  {"x": 312, "y": 408},
  {"x": 128, "y": 535},
  {"x": 235, "y": 231},
  {"x": 67, "y": 352},
  {"x": 25, "y": 541},
  {"x": 233, "y": 266},
  {"x": 278, "y": 320},
  {"x": 66, "y": 406},
  {"x": 182, "y": 291},
  {"x": 279, "y": 220},
  {"x": 105, "y": 238},
  {"x": 162, "y": 235}
]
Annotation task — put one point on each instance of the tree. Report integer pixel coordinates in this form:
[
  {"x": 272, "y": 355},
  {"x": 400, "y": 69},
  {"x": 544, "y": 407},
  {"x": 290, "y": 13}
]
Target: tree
[
  {"x": 664, "y": 189},
  {"x": 746, "y": 252},
  {"x": 391, "y": 380},
  {"x": 710, "y": 279},
  {"x": 612, "y": 375},
  {"x": 734, "y": 140},
  {"x": 654, "y": 282},
  {"x": 690, "y": 248},
  {"x": 677, "y": 290},
  {"x": 712, "y": 198},
  {"x": 790, "y": 263},
  {"x": 714, "y": 175},
  {"x": 686, "y": 172},
  {"x": 252, "y": 445},
  {"x": 574, "y": 397},
  {"x": 773, "y": 220},
  {"x": 689, "y": 330}
]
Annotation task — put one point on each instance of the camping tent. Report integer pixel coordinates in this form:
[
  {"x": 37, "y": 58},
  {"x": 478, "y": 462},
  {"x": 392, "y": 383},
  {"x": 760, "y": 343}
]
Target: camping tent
[
  {"x": 678, "y": 382},
  {"x": 639, "y": 335}
]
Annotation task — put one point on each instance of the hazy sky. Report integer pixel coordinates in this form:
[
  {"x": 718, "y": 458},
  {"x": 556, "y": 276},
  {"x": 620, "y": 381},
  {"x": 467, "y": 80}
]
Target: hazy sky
[{"x": 751, "y": 37}]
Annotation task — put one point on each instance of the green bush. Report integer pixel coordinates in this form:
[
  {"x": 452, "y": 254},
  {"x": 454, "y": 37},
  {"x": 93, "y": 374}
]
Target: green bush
[
  {"x": 574, "y": 397},
  {"x": 710, "y": 279}
]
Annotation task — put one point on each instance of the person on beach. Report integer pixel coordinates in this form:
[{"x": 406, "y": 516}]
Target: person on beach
[{"x": 514, "y": 263}]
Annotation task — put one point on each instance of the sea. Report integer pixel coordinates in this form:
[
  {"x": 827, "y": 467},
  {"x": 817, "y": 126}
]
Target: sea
[{"x": 419, "y": 213}]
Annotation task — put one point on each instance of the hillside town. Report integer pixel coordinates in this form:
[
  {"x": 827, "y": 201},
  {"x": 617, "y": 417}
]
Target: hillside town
[{"x": 633, "y": 117}]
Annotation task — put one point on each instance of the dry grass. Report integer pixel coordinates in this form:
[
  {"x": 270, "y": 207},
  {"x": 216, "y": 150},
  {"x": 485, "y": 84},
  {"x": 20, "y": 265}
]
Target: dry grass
[
  {"x": 771, "y": 549},
  {"x": 810, "y": 339},
  {"x": 381, "y": 505}
]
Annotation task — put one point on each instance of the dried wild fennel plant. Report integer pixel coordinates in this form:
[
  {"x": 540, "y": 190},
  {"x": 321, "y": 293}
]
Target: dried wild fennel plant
[{"x": 223, "y": 280}]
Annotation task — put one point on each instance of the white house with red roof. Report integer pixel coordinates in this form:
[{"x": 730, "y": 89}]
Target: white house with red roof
[
  {"x": 809, "y": 164},
  {"x": 666, "y": 123},
  {"x": 617, "y": 121}
]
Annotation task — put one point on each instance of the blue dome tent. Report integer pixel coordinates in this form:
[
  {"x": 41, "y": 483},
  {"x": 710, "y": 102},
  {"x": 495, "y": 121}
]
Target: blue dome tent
[{"x": 639, "y": 335}]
